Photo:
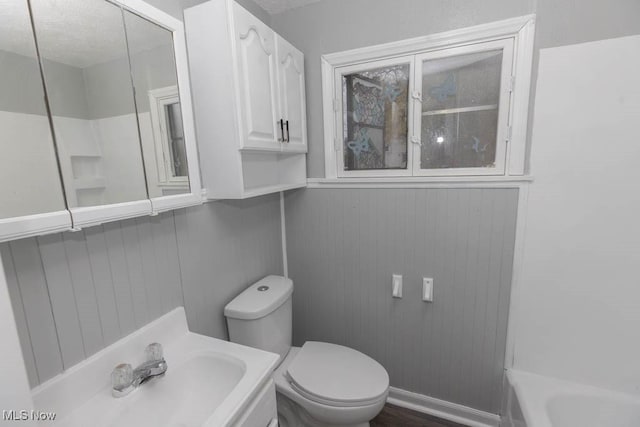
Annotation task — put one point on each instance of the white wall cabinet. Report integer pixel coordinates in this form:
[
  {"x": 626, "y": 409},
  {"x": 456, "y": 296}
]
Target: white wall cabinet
[{"x": 249, "y": 98}]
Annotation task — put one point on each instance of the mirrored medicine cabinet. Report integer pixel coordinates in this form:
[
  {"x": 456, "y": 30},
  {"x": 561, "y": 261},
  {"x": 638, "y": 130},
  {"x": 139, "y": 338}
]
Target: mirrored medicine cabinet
[{"x": 95, "y": 112}]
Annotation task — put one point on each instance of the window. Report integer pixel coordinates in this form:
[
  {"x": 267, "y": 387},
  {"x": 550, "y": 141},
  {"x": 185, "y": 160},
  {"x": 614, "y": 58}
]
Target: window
[
  {"x": 375, "y": 111},
  {"x": 442, "y": 105},
  {"x": 170, "y": 149}
]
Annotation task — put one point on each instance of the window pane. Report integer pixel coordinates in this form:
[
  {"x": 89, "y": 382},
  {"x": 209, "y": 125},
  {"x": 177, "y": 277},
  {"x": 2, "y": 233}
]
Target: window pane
[
  {"x": 177, "y": 148},
  {"x": 460, "y": 110},
  {"x": 460, "y": 140},
  {"x": 375, "y": 109}
]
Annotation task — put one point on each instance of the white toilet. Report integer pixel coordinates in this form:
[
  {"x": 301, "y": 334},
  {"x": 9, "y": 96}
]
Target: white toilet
[{"x": 318, "y": 384}]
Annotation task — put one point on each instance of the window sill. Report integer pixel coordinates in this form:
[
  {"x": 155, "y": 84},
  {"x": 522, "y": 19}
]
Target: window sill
[{"x": 423, "y": 182}]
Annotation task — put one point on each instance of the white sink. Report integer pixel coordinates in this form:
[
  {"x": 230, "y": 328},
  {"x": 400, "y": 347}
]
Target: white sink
[{"x": 209, "y": 382}]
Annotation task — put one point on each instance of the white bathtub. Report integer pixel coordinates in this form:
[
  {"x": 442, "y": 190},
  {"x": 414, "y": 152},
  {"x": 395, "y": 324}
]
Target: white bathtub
[{"x": 538, "y": 401}]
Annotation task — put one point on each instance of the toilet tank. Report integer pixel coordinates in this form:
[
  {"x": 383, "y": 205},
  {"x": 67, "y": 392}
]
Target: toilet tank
[{"x": 261, "y": 316}]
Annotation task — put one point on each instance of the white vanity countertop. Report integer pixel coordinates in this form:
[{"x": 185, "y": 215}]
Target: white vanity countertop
[{"x": 209, "y": 382}]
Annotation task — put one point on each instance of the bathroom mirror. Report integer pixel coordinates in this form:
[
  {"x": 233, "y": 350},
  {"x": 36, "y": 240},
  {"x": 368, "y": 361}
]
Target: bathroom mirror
[
  {"x": 155, "y": 80},
  {"x": 85, "y": 61},
  {"x": 96, "y": 111},
  {"x": 31, "y": 197},
  {"x": 160, "y": 74}
]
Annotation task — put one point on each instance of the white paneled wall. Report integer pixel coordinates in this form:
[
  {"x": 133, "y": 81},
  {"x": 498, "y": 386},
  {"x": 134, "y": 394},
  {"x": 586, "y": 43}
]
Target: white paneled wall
[
  {"x": 343, "y": 247},
  {"x": 75, "y": 293}
]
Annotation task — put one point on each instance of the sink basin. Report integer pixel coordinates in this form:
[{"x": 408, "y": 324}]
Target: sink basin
[
  {"x": 184, "y": 397},
  {"x": 208, "y": 382}
]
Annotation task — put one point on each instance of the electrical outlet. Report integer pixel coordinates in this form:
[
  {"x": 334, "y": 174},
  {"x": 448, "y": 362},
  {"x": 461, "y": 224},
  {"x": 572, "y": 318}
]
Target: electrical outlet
[
  {"x": 427, "y": 289},
  {"x": 396, "y": 286}
]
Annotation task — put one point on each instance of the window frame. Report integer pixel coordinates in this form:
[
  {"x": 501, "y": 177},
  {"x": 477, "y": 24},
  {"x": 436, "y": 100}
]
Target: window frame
[
  {"x": 506, "y": 45},
  {"x": 519, "y": 31},
  {"x": 158, "y": 100}
]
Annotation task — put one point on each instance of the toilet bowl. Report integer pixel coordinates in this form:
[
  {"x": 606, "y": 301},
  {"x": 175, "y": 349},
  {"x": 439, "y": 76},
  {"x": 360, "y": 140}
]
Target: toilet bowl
[
  {"x": 318, "y": 384},
  {"x": 297, "y": 407}
]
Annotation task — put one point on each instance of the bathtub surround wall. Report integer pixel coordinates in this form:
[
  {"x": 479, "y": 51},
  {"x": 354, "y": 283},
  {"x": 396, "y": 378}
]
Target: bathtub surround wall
[
  {"x": 344, "y": 245},
  {"x": 579, "y": 305},
  {"x": 75, "y": 293}
]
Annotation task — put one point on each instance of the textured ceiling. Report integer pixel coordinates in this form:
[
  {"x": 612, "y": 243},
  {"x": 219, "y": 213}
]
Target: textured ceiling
[
  {"x": 278, "y": 6},
  {"x": 79, "y": 33}
]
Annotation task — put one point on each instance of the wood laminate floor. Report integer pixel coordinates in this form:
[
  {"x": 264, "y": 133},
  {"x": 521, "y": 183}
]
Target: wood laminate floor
[{"x": 395, "y": 416}]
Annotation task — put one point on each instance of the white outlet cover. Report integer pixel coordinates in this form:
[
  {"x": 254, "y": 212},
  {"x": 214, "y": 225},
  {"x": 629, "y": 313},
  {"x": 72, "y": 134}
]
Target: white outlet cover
[
  {"x": 396, "y": 285},
  {"x": 427, "y": 289}
]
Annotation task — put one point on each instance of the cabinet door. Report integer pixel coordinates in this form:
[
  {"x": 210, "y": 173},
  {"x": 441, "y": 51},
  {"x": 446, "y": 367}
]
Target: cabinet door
[
  {"x": 257, "y": 75},
  {"x": 292, "y": 95}
]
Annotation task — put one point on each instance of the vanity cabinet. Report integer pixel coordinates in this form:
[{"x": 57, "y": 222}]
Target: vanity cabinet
[
  {"x": 262, "y": 410},
  {"x": 249, "y": 98}
]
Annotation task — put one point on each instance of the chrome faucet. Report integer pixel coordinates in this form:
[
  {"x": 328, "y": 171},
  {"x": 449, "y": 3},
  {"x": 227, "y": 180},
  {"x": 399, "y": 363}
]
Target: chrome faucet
[{"x": 125, "y": 379}]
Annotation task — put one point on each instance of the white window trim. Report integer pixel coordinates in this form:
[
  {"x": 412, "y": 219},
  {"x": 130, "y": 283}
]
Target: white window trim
[
  {"x": 520, "y": 29},
  {"x": 158, "y": 100}
]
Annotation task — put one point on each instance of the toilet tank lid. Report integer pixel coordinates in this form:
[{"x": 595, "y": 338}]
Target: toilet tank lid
[{"x": 260, "y": 299}]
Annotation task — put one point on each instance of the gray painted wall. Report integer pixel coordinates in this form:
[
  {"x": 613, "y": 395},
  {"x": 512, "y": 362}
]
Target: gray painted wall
[
  {"x": 344, "y": 245},
  {"x": 225, "y": 247},
  {"x": 75, "y": 293},
  {"x": 337, "y": 25}
]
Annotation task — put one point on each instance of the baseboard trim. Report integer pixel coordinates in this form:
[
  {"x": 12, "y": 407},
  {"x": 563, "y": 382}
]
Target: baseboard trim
[{"x": 442, "y": 409}]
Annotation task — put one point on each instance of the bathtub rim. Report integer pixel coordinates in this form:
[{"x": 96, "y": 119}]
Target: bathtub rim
[{"x": 534, "y": 391}]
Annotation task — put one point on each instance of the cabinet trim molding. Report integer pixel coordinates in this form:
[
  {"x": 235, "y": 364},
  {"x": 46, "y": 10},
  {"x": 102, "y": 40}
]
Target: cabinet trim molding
[
  {"x": 34, "y": 225},
  {"x": 95, "y": 215}
]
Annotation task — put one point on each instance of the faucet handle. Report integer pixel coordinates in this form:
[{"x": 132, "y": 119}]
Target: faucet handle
[
  {"x": 121, "y": 380},
  {"x": 153, "y": 352}
]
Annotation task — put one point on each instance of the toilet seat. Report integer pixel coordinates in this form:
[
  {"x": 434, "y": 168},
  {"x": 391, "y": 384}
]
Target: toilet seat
[{"x": 337, "y": 376}]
